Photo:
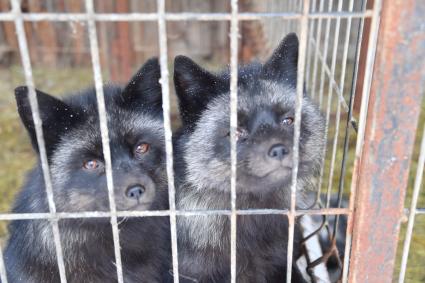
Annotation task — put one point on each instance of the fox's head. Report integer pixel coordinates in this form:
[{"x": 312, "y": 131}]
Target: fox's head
[
  {"x": 74, "y": 146},
  {"x": 265, "y": 135}
]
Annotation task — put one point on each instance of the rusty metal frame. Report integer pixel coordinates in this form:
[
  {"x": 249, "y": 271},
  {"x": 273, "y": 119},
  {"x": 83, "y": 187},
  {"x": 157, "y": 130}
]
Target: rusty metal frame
[{"x": 382, "y": 166}]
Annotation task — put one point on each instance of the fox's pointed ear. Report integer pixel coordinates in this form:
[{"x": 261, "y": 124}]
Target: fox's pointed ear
[
  {"x": 283, "y": 64},
  {"x": 144, "y": 88},
  {"x": 195, "y": 87},
  {"x": 56, "y": 117}
]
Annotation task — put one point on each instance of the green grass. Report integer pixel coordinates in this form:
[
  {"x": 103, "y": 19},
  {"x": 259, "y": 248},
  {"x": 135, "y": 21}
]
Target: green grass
[
  {"x": 17, "y": 157},
  {"x": 16, "y": 154},
  {"x": 415, "y": 270}
]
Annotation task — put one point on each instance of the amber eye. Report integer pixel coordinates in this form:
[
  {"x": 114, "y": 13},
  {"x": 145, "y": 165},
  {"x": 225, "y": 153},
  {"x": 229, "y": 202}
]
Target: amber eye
[
  {"x": 92, "y": 164},
  {"x": 240, "y": 134},
  {"x": 287, "y": 121},
  {"x": 142, "y": 148}
]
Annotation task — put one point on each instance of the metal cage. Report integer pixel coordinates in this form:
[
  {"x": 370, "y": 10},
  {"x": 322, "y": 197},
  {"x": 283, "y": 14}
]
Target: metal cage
[{"x": 385, "y": 79}]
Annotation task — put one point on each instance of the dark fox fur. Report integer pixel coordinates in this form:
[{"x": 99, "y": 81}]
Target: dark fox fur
[
  {"x": 74, "y": 149},
  {"x": 266, "y": 107}
]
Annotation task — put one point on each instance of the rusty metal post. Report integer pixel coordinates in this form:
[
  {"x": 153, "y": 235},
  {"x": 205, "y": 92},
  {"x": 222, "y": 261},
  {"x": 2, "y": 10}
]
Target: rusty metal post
[{"x": 382, "y": 168}]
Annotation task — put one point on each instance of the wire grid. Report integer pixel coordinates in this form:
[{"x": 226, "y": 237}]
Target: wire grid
[
  {"x": 26, "y": 62},
  {"x": 3, "y": 277},
  {"x": 94, "y": 51},
  {"x": 413, "y": 209},
  {"x": 234, "y": 33},
  {"x": 373, "y": 37},
  {"x": 168, "y": 135},
  {"x": 297, "y": 131},
  {"x": 316, "y": 56},
  {"x": 162, "y": 17},
  {"x": 341, "y": 101}
]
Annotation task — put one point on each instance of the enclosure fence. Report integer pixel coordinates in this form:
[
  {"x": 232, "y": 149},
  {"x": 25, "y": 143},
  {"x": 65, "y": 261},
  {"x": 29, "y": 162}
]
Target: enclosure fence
[{"x": 384, "y": 140}]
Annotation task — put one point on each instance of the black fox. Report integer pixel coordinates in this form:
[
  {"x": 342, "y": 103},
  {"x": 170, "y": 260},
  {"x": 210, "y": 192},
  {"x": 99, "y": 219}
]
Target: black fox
[
  {"x": 74, "y": 149},
  {"x": 266, "y": 109}
]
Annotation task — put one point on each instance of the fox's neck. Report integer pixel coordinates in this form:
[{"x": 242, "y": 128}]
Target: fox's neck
[
  {"x": 192, "y": 197},
  {"x": 209, "y": 231}
]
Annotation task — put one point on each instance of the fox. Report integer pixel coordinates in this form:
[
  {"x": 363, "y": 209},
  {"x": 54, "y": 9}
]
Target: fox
[
  {"x": 73, "y": 146},
  {"x": 265, "y": 137}
]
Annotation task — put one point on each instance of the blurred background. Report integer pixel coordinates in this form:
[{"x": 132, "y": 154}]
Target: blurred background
[{"x": 60, "y": 56}]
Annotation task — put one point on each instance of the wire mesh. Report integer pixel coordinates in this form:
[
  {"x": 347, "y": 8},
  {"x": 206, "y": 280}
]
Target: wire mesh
[
  {"x": 26, "y": 62},
  {"x": 297, "y": 132},
  {"x": 234, "y": 34},
  {"x": 413, "y": 210},
  {"x": 3, "y": 276},
  {"x": 94, "y": 50},
  {"x": 313, "y": 67},
  {"x": 168, "y": 135},
  {"x": 110, "y": 17}
]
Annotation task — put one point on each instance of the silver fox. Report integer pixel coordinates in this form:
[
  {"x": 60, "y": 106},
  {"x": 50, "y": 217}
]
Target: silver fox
[{"x": 266, "y": 109}]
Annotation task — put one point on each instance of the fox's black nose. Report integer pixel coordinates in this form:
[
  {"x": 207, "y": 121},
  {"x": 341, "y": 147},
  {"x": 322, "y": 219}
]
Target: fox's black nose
[
  {"x": 135, "y": 191},
  {"x": 277, "y": 151}
]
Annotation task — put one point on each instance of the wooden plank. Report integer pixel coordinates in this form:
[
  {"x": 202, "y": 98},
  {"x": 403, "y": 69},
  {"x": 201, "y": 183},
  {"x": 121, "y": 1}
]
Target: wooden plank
[
  {"x": 8, "y": 27},
  {"x": 78, "y": 34},
  {"x": 45, "y": 31},
  {"x": 124, "y": 45}
]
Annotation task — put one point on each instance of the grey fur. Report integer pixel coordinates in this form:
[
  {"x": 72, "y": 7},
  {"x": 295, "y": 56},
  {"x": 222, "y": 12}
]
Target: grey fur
[
  {"x": 72, "y": 137},
  {"x": 203, "y": 171}
]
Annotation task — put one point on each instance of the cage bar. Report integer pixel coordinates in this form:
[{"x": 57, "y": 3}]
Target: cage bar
[
  {"x": 332, "y": 80},
  {"x": 338, "y": 110},
  {"x": 148, "y": 213},
  {"x": 317, "y": 40},
  {"x": 3, "y": 275},
  {"x": 94, "y": 51},
  {"x": 325, "y": 56},
  {"x": 341, "y": 87},
  {"x": 412, "y": 213},
  {"x": 321, "y": 90},
  {"x": 234, "y": 37},
  {"x": 309, "y": 47},
  {"x": 26, "y": 63},
  {"x": 297, "y": 131},
  {"x": 167, "y": 131},
  {"x": 136, "y": 17},
  {"x": 347, "y": 130},
  {"x": 383, "y": 164},
  {"x": 371, "y": 122}
]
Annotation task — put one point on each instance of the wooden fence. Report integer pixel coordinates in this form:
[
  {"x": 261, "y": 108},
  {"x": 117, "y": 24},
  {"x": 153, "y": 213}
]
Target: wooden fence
[{"x": 125, "y": 45}]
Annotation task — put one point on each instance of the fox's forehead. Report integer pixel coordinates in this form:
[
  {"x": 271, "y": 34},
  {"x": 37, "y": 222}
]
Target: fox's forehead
[
  {"x": 262, "y": 93},
  {"x": 265, "y": 92},
  {"x": 135, "y": 123},
  {"x": 121, "y": 129}
]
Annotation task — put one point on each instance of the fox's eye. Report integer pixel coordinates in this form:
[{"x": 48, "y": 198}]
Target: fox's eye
[
  {"x": 287, "y": 121},
  {"x": 141, "y": 148},
  {"x": 240, "y": 134},
  {"x": 92, "y": 164}
]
